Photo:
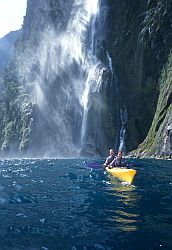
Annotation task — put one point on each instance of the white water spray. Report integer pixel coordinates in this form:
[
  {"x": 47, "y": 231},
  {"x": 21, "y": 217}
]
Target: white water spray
[
  {"x": 93, "y": 68},
  {"x": 67, "y": 72}
]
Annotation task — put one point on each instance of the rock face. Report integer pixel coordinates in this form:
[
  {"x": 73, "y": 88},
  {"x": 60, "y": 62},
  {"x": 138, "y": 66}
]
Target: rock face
[
  {"x": 29, "y": 126},
  {"x": 139, "y": 40},
  {"x": 84, "y": 79},
  {"x": 158, "y": 142},
  {"x": 6, "y": 45}
]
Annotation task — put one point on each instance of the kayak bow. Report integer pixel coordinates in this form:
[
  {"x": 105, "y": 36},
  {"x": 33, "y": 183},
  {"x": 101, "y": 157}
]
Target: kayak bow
[{"x": 122, "y": 174}]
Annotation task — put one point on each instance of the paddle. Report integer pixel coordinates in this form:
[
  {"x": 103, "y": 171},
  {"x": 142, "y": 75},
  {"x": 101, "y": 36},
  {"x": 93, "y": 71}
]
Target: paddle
[
  {"x": 99, "y": 165},
  {"x": 93, "y": 164},
  {"x": 132, "y": 164}
]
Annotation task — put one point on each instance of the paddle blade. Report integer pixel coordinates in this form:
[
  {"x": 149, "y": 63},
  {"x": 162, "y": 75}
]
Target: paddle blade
[{"x": 93, "y": 164}]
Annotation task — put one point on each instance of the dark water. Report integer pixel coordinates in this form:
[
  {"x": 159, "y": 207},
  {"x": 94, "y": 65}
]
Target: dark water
[{"x": 62, "y": 204}]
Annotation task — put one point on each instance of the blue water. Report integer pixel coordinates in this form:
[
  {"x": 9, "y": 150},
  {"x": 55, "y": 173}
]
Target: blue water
[{"x": 63, "y": 204}]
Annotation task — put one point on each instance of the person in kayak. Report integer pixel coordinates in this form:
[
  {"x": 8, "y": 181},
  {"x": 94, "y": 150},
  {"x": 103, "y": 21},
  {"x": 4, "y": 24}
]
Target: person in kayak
[
  {"x": 118, "y": 161},
  {"x": 110, "y": 158}
]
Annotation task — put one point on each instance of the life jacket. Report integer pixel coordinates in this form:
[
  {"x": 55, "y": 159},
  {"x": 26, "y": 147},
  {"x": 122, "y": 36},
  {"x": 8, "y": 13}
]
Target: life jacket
[{"x": 120, "y": 162}]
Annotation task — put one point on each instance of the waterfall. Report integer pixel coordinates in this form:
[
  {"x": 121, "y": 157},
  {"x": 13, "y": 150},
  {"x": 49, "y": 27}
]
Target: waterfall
[
  {"x": 110, "y": 63},
  {"x": 94, "y": 71},
  {"x": 123, "y": 116},
  {"x": 66, "y": 72},
  {"x": 124, "y": 119},
  {"x": 114, "y": 82}
]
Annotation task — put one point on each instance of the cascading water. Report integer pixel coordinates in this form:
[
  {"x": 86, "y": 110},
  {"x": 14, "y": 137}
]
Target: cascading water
[
  {"x": 94, "y": 70},
  {"x": 122, "y": 114},
  {"x": 67, "y": 71},
  {"x": 114, "y": 82},
  {"x": 124, "y": 119}
]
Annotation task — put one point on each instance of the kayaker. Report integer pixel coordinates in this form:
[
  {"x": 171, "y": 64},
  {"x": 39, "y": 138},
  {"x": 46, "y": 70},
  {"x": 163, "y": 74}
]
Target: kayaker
[
  {"x": 110, "y": 158},
  {"x": 118, "y": 161}
]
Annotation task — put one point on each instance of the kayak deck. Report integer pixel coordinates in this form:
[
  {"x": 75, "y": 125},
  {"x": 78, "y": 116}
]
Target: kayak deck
[{"x": 122, "y": 174}]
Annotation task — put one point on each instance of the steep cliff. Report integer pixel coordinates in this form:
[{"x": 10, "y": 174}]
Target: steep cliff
[
  {"x": 158, "y": 142},
  {"x": 139, "y": 40},
  {"x": 83, "y": 79},
  {"x": 6, "y": 46},
  {"x": 25, "y": 127}
]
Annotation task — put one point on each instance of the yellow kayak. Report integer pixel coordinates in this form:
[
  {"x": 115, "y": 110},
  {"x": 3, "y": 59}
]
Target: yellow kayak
[{"x": 122, "y": 174}]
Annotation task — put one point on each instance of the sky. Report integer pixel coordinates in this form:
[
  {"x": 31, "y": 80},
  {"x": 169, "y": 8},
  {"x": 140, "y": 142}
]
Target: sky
[{"x": 11, "y": 15}]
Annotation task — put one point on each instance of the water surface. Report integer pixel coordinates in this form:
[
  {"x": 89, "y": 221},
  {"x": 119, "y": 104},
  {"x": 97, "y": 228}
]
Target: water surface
[{"x": 63, "y": 204}]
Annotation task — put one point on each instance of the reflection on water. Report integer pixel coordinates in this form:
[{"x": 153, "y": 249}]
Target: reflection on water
[{"x": 125, "y": 220}]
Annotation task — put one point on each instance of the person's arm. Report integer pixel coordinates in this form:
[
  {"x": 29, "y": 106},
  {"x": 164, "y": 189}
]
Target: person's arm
[
  {"x": 106, "y": 162},
  {"x": 112, "y": 164}
]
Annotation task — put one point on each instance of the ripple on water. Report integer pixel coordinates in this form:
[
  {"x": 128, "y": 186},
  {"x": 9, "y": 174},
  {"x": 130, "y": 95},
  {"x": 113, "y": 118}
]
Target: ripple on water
[
  {"x": 19, "y": 198},
  {"x": 2, "y": 187},
  {"x": 3, "y": 200},
  {"x": 21, "y": 215},
  {"x": 6, "y": 176},
  {"x": 61, "y": 204}
]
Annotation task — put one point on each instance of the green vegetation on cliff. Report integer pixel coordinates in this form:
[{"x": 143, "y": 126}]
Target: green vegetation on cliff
[
  {"x": 16, "y": 115},
  {"x": 139, "y": 40},
  {"x": 158, "y": 141}
]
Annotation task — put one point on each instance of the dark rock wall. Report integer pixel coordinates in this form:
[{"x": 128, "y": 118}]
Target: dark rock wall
[
  {"x": 139, "y": 39},
  {"x": 158, "y": 142}
]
